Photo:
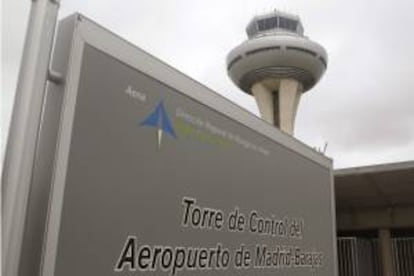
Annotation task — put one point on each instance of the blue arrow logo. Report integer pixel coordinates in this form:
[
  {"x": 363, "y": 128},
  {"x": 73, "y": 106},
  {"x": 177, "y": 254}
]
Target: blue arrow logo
[{"x": 158, "y": 119}]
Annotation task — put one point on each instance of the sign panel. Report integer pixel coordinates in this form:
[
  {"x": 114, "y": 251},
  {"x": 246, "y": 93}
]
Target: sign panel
[{"x": 151, "y": 180}]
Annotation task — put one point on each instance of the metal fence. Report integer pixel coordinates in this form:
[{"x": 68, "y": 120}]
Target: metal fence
[
  {"x": 403, "y": 255},
  {"x": 360, "y": 257}
]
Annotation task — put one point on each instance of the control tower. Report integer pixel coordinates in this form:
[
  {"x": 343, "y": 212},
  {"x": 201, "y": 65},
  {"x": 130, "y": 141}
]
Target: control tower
[{"x": 276, "y": 65}]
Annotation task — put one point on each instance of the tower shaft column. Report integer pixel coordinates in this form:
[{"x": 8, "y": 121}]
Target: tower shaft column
[
  {"x": 278, "y": 101},
  {"x": 289, "y": 96},
  {"x": 264, "y": 100}
]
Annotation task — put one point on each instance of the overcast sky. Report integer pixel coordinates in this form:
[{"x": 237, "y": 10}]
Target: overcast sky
[{"x": 363, "y": 106}]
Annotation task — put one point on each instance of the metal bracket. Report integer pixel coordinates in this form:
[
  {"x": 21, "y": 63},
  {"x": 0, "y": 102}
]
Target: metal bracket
[{"x": 55, "y": 77}]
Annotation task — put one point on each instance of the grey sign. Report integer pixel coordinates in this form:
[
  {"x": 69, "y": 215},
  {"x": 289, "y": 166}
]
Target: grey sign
[{"x": 157, "y": 175}]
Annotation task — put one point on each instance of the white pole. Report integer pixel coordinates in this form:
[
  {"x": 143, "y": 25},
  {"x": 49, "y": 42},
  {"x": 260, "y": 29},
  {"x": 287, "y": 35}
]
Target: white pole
[{"x": 24, "y": 126}]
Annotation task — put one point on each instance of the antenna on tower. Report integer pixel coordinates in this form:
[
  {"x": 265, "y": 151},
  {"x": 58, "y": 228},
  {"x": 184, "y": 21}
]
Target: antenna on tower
[{"x": 325, "y": 147}]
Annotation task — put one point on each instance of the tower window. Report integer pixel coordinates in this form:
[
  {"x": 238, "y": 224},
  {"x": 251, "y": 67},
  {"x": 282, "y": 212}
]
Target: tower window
[
  {"x": 267, "y": 23},
  {"x": 231, "y": 63},
  {"x": 251, "y": 52},
  {"x": 289, "y": 24},
  {"x": 301, "y": 50}
]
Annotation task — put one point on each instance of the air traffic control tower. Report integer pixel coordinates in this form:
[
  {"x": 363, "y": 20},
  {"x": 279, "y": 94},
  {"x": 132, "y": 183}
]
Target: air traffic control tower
[{"x": 276, "y": 65}]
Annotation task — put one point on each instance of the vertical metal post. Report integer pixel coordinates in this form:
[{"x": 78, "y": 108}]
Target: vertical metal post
[{"x": 25, "y": 122}]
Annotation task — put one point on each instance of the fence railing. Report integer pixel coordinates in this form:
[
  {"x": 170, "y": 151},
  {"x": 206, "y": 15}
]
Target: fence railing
[{"x": 360, "y": 256}]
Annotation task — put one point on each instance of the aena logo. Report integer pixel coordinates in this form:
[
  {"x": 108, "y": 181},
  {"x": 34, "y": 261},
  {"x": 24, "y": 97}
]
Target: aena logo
[{"x": 159, "y": 120}]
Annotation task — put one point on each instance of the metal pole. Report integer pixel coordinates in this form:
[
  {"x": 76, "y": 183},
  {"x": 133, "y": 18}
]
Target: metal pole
[{"x": 25, "y": 122}]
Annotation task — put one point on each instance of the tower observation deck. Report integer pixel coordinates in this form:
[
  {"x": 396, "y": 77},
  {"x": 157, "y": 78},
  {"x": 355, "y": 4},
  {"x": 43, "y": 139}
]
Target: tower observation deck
[{"x": 276, "y": 64}]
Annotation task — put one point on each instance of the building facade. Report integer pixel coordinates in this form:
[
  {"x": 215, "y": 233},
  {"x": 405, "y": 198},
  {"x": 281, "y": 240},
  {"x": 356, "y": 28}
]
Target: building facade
[{"x": 375, "y": 220}]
